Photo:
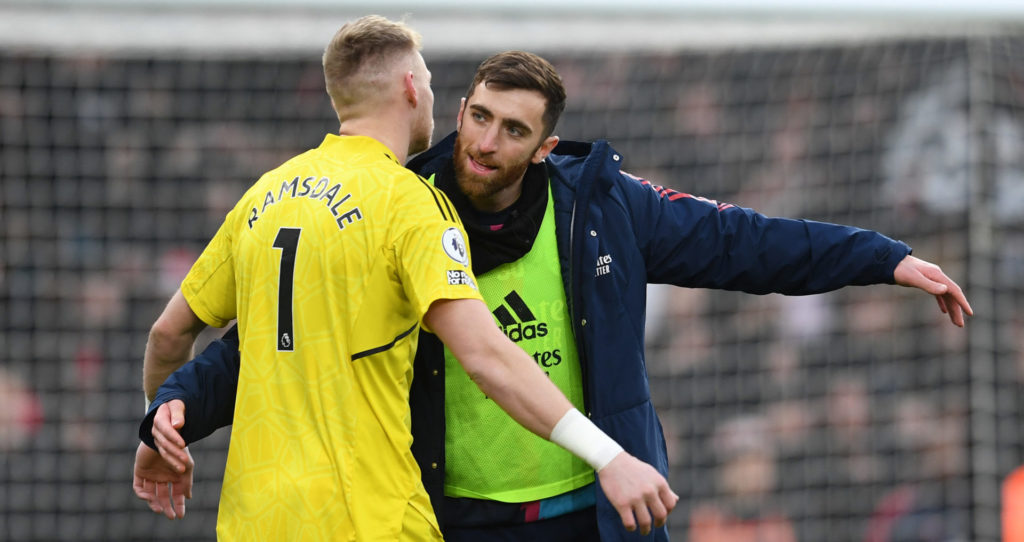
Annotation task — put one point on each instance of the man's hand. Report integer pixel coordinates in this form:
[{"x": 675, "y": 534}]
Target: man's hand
[
  {"x": 162, "y": 486},
  {"x": 169, "y": 418},
  {"x": 917, "y": 273},
  {"x": 637, "y": 491}
]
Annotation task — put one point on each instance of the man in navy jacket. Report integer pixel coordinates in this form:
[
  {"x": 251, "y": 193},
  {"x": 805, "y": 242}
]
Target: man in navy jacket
[{"x": 614, "y": 233}]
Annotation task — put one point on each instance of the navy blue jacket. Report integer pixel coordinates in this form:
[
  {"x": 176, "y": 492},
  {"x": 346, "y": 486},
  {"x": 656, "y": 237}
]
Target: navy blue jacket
[{"x": 644, "y": 234}]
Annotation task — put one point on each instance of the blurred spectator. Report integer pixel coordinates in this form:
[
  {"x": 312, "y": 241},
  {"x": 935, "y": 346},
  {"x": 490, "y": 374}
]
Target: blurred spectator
[
  {"x": 21, "y": 412},
  {"x": 88, "y": 367},
  {"x": 920, "y": 510},
  {"x": 806, "y": 318},
  {"x": 698, "y": 112},
  {"x": 787, "y": 182},
  {"x": 97, "y": 110},
  {"x": 129, "y": 266},
  {"x": 174, "y": 265},
  {"x": 1016, "y": 330},
  {"x": 220, "y": 198},
  {"x": 102, "y": 302},
  {"x": 849, "y": 423},
  {"x": 791, "y": 422},
  {"x": 128, "y": 165},
  {"x": 872, "y": 314},
  {"x": 84, "y": 401},
  {"x": 182, "y": 157},
  {"x": 679, "y": 328},
  {"x": 745, "y": 509}
]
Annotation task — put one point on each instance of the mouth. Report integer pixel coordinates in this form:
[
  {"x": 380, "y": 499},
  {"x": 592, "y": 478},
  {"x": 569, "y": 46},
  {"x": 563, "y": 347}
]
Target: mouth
[{"x": 477, "y": 167}]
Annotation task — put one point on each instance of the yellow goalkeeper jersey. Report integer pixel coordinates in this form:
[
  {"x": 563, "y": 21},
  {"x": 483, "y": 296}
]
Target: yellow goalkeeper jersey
[{"x": 329, "y": 263}]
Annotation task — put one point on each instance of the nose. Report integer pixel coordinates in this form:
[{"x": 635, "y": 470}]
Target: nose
[{"x": 489, "y": 140}]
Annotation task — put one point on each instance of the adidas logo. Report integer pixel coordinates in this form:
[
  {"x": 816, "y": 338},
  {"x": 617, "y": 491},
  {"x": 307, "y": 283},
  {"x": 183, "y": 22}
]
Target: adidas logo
[{"x": 522, "y": 329}]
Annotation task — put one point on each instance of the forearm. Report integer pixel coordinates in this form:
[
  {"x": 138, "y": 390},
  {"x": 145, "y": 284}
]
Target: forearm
[
  {"x": 207, "y": 386},
  {"x": 502, "y": 370},
  {"x": 170, "y": 343},
  {"x": 164, "y": 355},
  {"x": 513, "y": 380}
]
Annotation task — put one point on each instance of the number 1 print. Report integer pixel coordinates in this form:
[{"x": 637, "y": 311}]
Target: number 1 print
[{"x": 288, "y": 241}]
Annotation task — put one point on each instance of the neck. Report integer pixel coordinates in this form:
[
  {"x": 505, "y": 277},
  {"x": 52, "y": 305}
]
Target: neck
[{"x": 382, "y": 129}]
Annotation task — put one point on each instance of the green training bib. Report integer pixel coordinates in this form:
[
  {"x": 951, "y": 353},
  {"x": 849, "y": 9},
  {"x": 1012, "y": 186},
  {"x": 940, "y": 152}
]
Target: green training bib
[{"x": 488, "y": 454}]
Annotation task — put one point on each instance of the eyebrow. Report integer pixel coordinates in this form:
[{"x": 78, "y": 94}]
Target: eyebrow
[{"x": 508, "y": 123}]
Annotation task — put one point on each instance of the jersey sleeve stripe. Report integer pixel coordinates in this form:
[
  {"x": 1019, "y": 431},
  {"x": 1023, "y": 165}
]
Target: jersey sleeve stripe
[
  {"x": 447, "y": 203},
  {"x": 433, "y": 192},
  {"x": 383, "y": 347}
]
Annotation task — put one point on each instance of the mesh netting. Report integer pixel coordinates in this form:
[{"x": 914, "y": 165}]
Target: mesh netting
[{"x": 856, "y": 415}]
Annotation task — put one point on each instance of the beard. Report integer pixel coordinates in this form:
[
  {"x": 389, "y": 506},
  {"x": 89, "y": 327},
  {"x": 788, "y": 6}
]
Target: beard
[{"x": 477, "y": 187}]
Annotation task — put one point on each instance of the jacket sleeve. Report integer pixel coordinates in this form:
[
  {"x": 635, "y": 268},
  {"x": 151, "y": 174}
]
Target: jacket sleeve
[
  {"x": 206, "y": 385},
  {"x": 696, "y": 242}
]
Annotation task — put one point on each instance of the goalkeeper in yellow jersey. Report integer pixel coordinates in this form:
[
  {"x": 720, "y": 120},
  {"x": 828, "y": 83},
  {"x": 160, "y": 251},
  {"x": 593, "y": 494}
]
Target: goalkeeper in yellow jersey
[{"x": 331, "y": 264}]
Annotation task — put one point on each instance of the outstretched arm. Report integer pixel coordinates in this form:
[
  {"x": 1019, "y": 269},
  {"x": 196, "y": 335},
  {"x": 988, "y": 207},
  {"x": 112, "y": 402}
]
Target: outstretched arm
[
  {"x": 698, "y": 243},
  {"x": 917, "y": 273},
  {"x": 509, "y": 376}
]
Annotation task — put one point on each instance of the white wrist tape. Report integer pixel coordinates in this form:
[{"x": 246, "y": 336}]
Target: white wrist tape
[{"x": 579, "y": 435}]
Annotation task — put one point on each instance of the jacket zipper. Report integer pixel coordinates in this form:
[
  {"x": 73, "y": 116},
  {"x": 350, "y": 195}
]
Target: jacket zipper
[{"x": 576, "y": 322}]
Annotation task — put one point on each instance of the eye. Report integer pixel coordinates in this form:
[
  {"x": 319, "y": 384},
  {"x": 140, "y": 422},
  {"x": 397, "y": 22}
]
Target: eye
[
  {"x": 477, "y": 116},
  {"x": 514, "y": 131}
]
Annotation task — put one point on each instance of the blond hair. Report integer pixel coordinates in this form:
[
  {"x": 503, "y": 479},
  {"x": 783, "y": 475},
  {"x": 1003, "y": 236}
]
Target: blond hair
[{"x": 359, "y": 58}]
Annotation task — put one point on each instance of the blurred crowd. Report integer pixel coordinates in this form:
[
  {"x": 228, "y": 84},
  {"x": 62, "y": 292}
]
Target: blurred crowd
[{"x": 844, "y": 416}]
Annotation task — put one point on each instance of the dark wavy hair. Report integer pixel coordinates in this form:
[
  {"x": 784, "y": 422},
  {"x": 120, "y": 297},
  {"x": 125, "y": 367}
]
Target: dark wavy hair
[{"x": 527, "y": 71}]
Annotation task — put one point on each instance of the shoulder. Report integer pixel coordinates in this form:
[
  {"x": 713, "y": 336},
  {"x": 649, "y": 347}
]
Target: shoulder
[{"x": 417, "y": 200}]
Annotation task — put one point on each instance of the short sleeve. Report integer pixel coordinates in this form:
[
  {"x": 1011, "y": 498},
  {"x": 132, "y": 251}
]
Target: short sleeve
[
  {"x": 433, "y": 257},
  {"x": 209, "y": 287}
]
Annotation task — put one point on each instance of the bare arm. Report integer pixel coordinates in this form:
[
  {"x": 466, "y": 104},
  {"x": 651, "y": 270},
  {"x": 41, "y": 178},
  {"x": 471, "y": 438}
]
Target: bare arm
[
  {"x": 917, "y": 273},
  {"x": 512, "y": 379},
  {"x": 499, "y": 368},
  {"x": 170, "y": 343}
]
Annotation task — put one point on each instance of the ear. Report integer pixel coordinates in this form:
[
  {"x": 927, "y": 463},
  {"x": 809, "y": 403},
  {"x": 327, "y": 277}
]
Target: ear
[
  {"x": 410, "y": 90},
  {"x": 545, "y": 149},
  {"x": 458, "y": 119}
]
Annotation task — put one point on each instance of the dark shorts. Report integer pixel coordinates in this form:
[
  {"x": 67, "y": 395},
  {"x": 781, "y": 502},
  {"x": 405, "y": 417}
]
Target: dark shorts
[{"x": 578, "y": 526}]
